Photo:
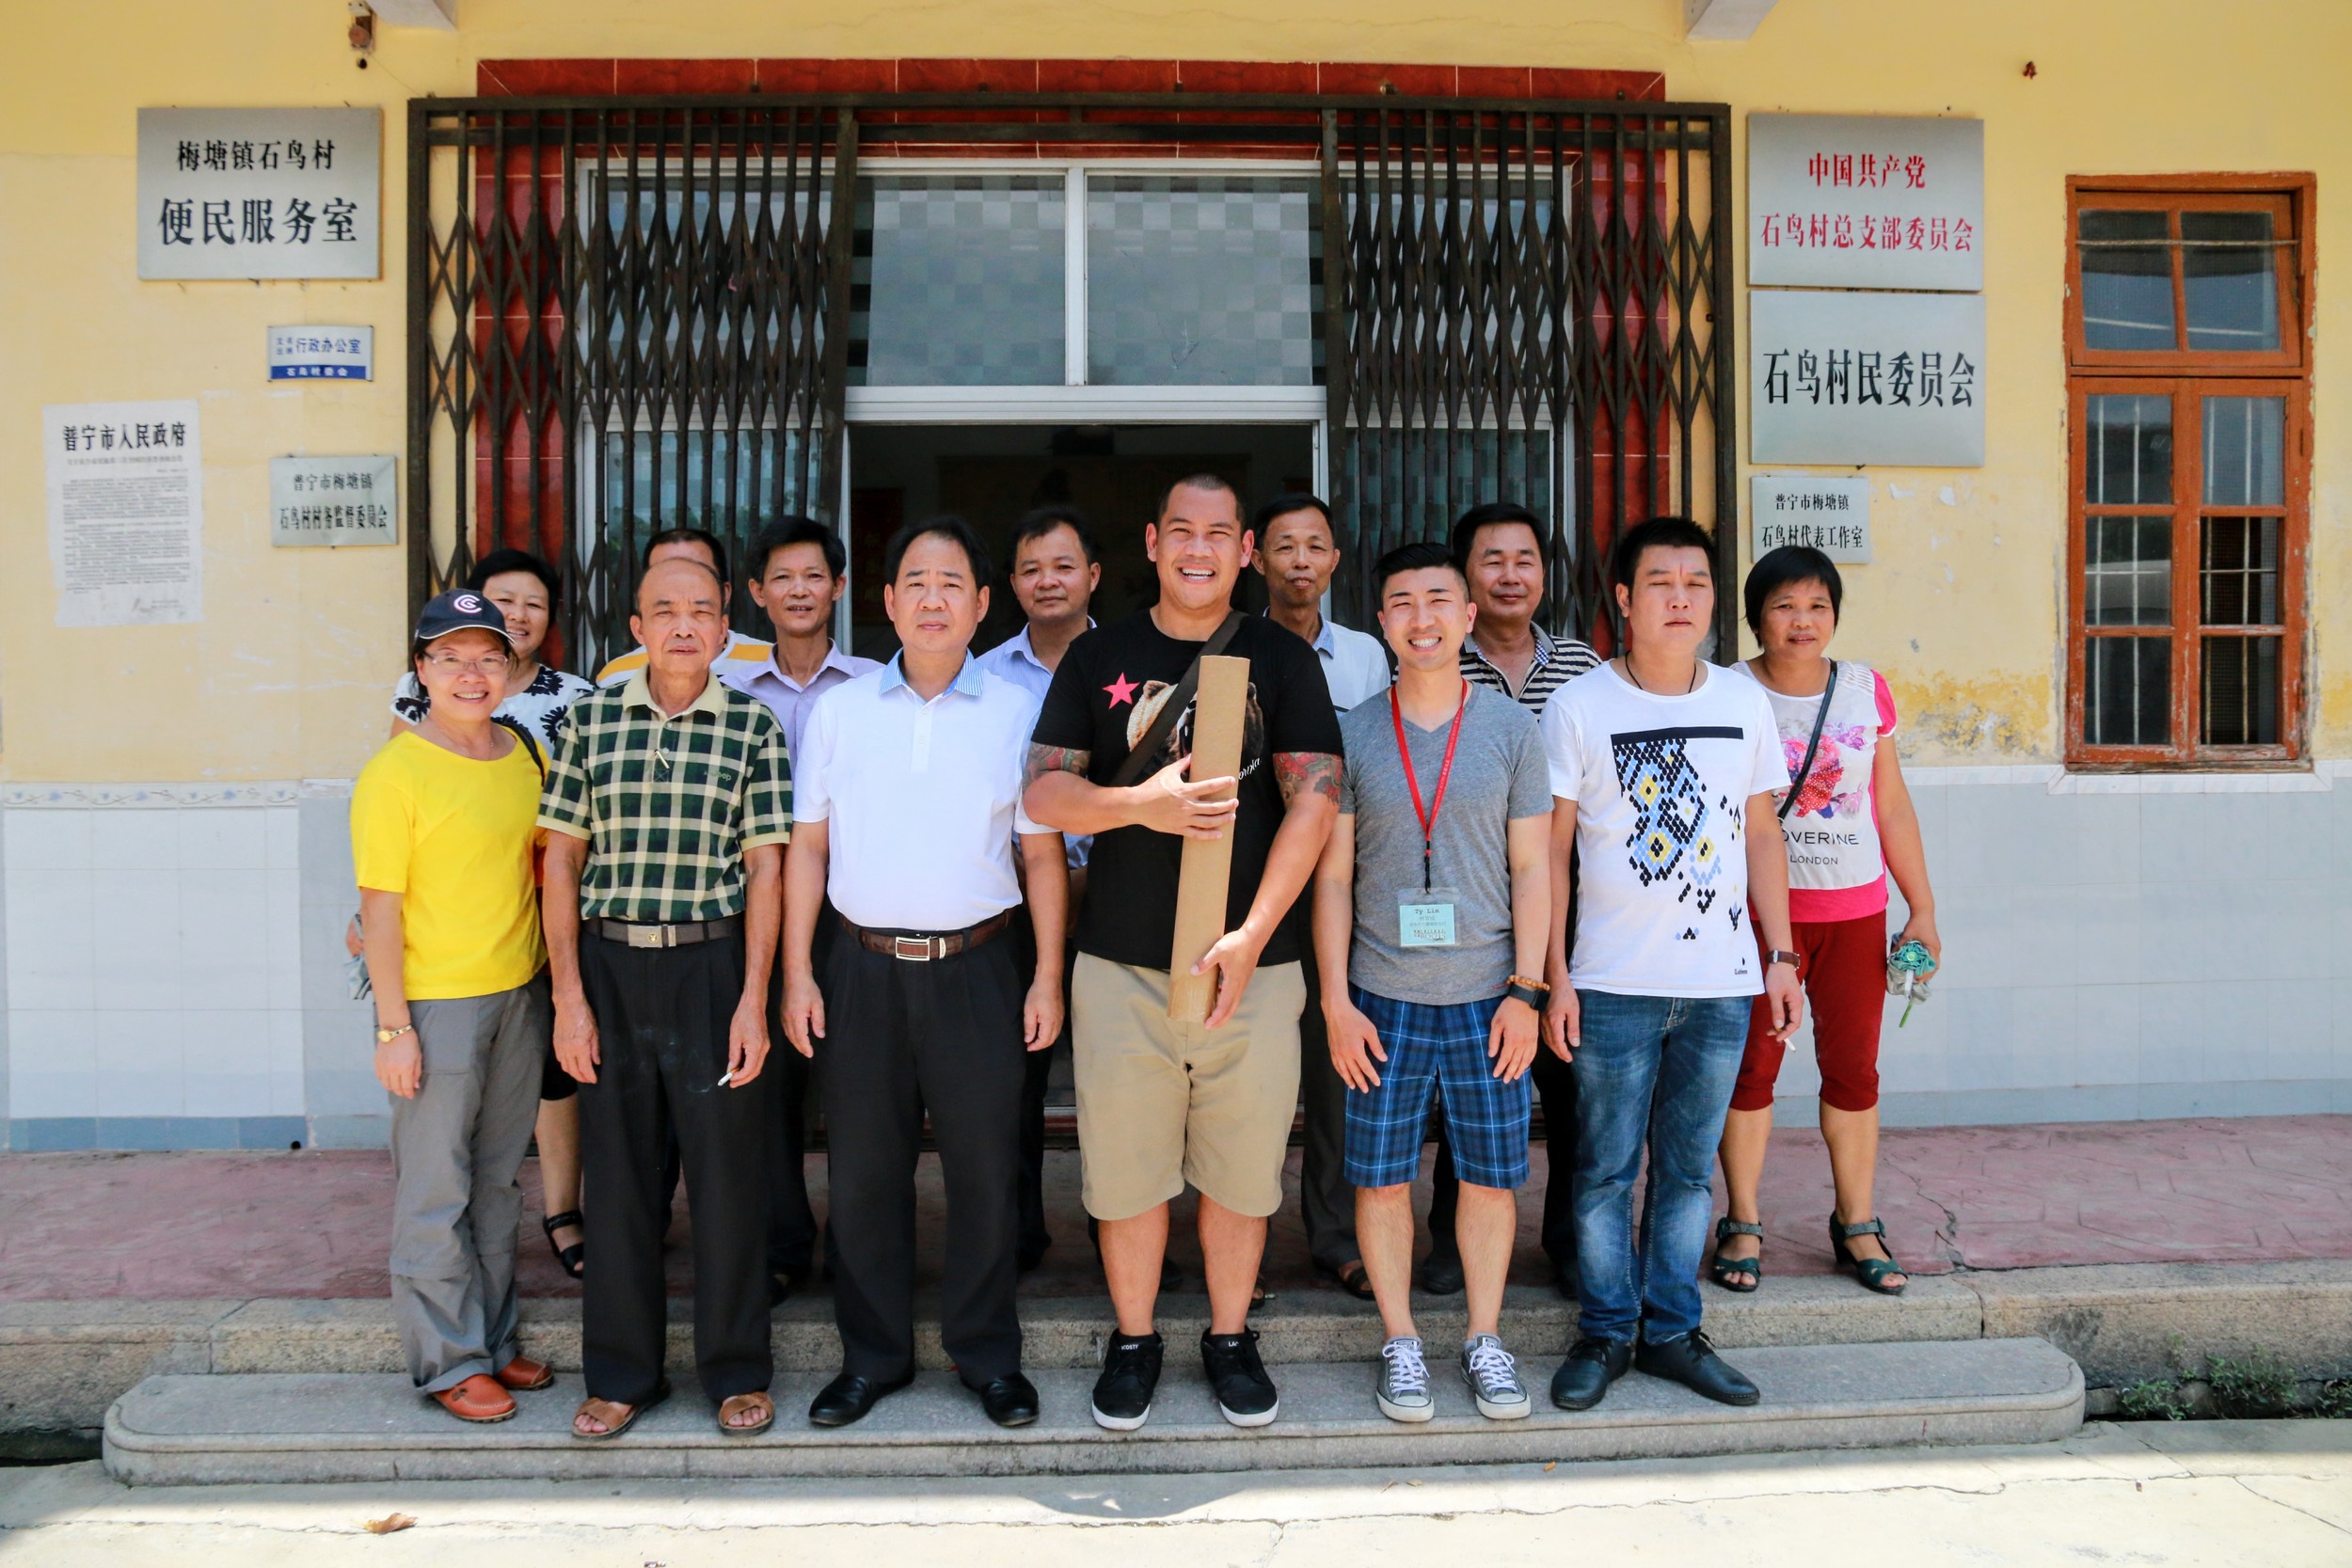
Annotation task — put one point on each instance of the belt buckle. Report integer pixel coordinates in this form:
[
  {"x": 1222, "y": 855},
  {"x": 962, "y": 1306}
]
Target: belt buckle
[
  {"x": 916, "y": 949},
  {"x": 650, "y": 936}
]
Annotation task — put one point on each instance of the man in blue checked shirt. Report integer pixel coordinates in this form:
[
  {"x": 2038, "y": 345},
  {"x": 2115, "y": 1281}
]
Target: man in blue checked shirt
[{"x": 1431, "y": 906}]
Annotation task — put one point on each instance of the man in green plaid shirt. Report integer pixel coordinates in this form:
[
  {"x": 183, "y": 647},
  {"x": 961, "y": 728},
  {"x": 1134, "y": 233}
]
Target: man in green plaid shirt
[{"x": 667, "y": 804}]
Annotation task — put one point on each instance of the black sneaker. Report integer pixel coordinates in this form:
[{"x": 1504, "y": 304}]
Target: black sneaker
[
  {"x": 1131, "y": 1371},
  {"x": 1592, "y": 1366},
  {"x": 1244, "y": 1393}
]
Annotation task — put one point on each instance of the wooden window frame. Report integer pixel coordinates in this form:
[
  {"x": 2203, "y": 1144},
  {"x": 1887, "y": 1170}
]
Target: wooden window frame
[{"x": 2188, "y": 378}]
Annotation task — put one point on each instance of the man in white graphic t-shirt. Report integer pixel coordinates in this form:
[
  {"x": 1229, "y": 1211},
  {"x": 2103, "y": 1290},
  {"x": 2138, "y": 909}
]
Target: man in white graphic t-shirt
[{"x": 1662, "y": 773}]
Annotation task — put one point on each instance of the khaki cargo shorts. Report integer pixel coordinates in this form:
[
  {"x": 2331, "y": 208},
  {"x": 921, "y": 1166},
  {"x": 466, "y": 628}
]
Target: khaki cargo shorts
[{"x": 1161, "y": 1104}]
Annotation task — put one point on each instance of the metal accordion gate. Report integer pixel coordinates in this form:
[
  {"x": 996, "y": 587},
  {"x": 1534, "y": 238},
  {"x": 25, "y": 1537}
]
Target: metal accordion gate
[{"x": 627, "y": 314}]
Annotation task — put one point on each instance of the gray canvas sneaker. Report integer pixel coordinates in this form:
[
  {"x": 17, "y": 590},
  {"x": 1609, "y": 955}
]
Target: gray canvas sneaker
[
  {"x": 1494, "y": 1380},
  {"x": 1404, "y": 1391}
]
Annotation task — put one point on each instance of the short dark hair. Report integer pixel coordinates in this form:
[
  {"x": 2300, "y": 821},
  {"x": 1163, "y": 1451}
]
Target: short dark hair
[
  {"x": 1466, "y": 525},
  {"x": 787, "y": 531},
  {"x": 1419, "y": 556},
  {"x": 1785, "y": 567},
  {"x": 702, "y": 536},
  {"x": 1198, "y": 481},
  {"x": 1045, "y": 520},
  {"x": 1657, "y": 534},
  {"x": 1286, "y": 503},
  {"x": 498, "y": 563},
  {"x": 947, "y": 526}
]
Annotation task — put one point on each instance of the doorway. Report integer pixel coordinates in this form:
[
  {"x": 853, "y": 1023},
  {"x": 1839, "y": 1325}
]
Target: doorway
[{"x": 992, "y": 474}]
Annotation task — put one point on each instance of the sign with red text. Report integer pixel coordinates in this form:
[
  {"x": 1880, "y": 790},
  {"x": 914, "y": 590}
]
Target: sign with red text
[
  {"x": 1865, "y": 201},
  {"x": 1839, "y": 377},
  {"x": 259, "y": 193}
]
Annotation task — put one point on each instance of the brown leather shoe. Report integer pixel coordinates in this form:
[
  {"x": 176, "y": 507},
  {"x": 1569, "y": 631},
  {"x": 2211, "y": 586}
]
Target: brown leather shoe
[
  {"x": 523, "y": 1374},
  {"x": 477, "y": 1399}
]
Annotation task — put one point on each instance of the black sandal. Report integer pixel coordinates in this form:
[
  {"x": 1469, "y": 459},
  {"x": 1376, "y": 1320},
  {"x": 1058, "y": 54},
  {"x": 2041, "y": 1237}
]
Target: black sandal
[
  {"x": 1872, "y": 1272},
  {"x": 1735, "y": 1274},
  {"x": 573, "y": 1259},
  {"x": 1353, "y": 1279}
]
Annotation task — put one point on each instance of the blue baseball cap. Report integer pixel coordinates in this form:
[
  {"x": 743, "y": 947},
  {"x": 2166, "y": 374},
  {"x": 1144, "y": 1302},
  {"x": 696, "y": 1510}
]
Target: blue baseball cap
[{"x": 459, "y": 610}]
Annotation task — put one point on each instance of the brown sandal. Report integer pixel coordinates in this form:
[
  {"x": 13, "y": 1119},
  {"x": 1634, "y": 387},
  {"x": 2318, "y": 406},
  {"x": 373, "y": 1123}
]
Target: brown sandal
[
  {"x": 603, "y": 1411},
  {"x": 736, "y": 1404}
]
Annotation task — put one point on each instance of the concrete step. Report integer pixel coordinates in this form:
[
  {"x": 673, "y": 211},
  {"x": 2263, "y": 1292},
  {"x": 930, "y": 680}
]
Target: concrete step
[{"x": 264, "y": 1428}]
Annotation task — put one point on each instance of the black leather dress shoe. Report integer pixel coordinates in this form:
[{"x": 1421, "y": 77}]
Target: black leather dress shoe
[
  {"x": 1442, "y": 1274},
  {"x": 1690, "y": 1360},
  {"x": 849, "y": 1397},
  {"x": 1592, "y": 1366},
  {"x": 1011, "y": 1402}
]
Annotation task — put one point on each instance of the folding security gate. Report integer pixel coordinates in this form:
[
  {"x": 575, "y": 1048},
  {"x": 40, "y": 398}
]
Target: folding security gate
[{"x": 631, "y": 313}]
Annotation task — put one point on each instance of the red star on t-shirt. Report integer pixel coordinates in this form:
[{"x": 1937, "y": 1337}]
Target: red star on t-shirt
[{"x": 1121, "y": 691}]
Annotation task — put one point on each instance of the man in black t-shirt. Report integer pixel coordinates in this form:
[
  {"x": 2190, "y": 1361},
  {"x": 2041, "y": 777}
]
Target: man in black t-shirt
[{"x": 1161, "y": 1104}]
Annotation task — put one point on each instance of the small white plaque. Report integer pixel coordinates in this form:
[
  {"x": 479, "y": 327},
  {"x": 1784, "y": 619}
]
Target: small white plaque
[
  {"x": 321, "y": 354},
  {"x": 334, "y": 501},
  {"x": 1831, "y": 513}
]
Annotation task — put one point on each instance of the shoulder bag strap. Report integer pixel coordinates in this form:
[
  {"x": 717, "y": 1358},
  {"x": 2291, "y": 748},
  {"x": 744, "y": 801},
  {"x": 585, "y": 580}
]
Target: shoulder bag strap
[
  {"x": 530, "y": 742},
  {"x": 1812, "y": 747},
  {"x": 1139, "y": 756}
]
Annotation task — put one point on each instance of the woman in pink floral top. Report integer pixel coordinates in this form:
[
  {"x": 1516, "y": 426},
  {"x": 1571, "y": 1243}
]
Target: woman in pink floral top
[{"x": 1849, "y": 824}]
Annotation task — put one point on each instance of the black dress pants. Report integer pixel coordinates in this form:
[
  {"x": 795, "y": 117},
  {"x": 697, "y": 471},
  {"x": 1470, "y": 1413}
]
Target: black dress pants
[
  {"x": 661, "y": 1025},
  {"x": 788, "y": 1082},
  {"x": 1327, "y": 1199},
  {"x": 1035, "y": 1081},
  {"x": 902, "y": 1037}
]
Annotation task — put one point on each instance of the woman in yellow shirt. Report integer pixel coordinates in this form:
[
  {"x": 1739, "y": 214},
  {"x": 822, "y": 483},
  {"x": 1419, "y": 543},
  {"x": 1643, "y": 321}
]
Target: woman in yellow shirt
[{"x": 442, "y": 821}]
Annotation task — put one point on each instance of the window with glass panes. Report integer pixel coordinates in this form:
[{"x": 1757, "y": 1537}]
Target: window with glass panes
[{"x": 2189, "y": 412}]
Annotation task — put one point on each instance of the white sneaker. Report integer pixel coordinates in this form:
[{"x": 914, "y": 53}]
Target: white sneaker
[
  {"x": 1494, "y": 1380},
  {"x": 1403, "y": 1394}
]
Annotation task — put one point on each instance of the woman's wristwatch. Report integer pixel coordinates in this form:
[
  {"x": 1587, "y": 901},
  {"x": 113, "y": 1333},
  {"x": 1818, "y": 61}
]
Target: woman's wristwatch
[
  {"x": 385, "y": 1036},
  {"x": 1533, "y": 992},
  {"x": 1782, "y": 955}
]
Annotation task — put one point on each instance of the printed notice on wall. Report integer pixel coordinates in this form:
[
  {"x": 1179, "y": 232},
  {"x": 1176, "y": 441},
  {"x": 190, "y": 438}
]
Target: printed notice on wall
[{"x": 126, "y": 512}]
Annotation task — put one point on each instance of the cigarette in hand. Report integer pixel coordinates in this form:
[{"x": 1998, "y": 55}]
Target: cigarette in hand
[{"x": 724, "y": 1079}]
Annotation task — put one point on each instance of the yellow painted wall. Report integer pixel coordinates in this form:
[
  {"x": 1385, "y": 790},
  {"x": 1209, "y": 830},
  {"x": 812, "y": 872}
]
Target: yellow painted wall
[{"x": 286, "y": 675}]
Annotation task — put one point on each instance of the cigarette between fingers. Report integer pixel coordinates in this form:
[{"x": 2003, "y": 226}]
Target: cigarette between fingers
[{"x": 724, "y": 1079}]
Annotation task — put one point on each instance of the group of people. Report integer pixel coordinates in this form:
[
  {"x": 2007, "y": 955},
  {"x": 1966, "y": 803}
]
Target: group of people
[{"x": 1470, "y": 863}]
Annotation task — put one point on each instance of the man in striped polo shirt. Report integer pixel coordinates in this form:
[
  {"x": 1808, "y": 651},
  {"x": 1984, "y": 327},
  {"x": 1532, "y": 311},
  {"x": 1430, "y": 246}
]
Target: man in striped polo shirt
[{"x": 1499, "y": 548}]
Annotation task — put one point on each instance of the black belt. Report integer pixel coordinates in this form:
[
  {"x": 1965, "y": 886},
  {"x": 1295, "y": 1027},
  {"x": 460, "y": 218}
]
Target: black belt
[
  {"x": 928, "y": 946},
  {"x": 637, "y": 933}
]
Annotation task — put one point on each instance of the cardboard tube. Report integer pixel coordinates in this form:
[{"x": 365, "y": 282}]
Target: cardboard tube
[{"x": 1220, "y": 710}]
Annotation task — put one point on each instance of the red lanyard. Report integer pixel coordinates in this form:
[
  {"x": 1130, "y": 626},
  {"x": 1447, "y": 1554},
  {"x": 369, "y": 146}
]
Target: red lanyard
[{"x": 1427, "y": 818}]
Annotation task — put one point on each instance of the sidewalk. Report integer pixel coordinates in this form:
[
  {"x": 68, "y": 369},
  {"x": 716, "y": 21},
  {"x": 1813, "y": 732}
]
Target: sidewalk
[{"x": 184, "y": 1226}]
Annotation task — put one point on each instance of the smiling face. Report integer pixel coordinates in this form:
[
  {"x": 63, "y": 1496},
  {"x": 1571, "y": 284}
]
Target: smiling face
[
  {"x": 464, "y": 673},
  {"x": 798, "y": 591},
  {"x": 1052, "y": 578},
  {"x": 1424, "y": 616},
  {"x": 525, "y": 602},
  {"x": 681, "y": 616},
  {"x": 1670, "y": 604},
  {"x": 1199, "y": 546},
  {"x": 1798, "y": 622},
  {"x": 936, "y": 604},
  {"x": 1506, "y": 573},
  {"x": 1297, "y": 557}
]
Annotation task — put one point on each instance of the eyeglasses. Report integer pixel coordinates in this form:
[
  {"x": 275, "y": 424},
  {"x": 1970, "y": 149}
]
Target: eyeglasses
[{"x": 489, "y": 664}]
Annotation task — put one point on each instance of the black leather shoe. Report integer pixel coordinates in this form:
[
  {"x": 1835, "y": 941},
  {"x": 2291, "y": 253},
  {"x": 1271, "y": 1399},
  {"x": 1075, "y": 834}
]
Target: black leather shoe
[
  {"x": 781, "y": 1285},
  {"x": 1442, "y": 1274},
  {"x": 849, "y": 1397},
  {"x": 1592, "y": 1366},
  {"x": 1690, "y": 1360},
  {"x": 1011, "y": 1402}
]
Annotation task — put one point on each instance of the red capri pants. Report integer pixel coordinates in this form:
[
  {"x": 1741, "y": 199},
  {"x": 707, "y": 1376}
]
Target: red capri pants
[{"x": 1844, "y": 975}]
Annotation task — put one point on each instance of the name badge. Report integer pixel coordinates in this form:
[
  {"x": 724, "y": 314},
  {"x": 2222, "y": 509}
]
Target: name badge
[{"x": 1424, "y": 918}]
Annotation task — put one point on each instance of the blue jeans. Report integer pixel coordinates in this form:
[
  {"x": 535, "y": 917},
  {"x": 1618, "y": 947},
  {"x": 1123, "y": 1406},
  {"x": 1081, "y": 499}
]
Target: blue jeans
[{"x": 1655, "y": 1071}]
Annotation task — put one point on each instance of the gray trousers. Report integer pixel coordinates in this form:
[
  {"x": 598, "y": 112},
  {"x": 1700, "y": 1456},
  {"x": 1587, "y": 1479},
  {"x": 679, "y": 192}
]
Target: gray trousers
[{"x": 456, "y": 1149}]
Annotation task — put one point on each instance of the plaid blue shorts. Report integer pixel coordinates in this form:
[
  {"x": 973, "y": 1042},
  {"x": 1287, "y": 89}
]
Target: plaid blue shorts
[{"x": 1439, "y": 1050}]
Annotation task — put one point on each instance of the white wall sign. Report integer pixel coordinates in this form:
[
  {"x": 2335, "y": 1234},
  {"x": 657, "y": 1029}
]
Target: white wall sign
[
  {"x": 1839, "y": 377},
  {"x": 126, "y": 512},
  {"x": 321, "y": 354},
  {"x": 1865, "y": 201},
  {"x": 259, "y": 193},
  {"x": 334, "y": 501},
  {"x": 1830, "y": 514}
]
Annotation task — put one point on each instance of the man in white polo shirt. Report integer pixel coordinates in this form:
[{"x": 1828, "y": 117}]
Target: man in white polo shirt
[{"x": 906, "y": 805}]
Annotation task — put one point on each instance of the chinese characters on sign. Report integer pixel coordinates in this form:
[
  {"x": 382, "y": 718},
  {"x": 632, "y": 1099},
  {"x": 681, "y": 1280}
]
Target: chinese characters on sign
[
  {"x": 1862, "y": 202},
  {"x": 334, "y": 501},
  {"x": 1856, "y": 377},
  {"x": 321, "y": 354},
  {"x": 126, "y": 512},
  {"x": 1833, "y": 516},
  {"x": 259, "y": 193}
]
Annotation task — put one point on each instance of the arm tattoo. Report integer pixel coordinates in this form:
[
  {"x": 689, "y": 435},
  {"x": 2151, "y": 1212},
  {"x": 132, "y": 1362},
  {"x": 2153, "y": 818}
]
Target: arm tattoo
[
  {"x": 1055, "y": 759},
  {"x": 1316, "y": 770}
]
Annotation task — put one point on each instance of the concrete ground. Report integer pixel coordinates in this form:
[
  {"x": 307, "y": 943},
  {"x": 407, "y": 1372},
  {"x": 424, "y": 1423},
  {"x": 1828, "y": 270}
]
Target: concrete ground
[
  {"x": 2278, "y": 1493},
  {"x": 312, "y": 1223}
]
